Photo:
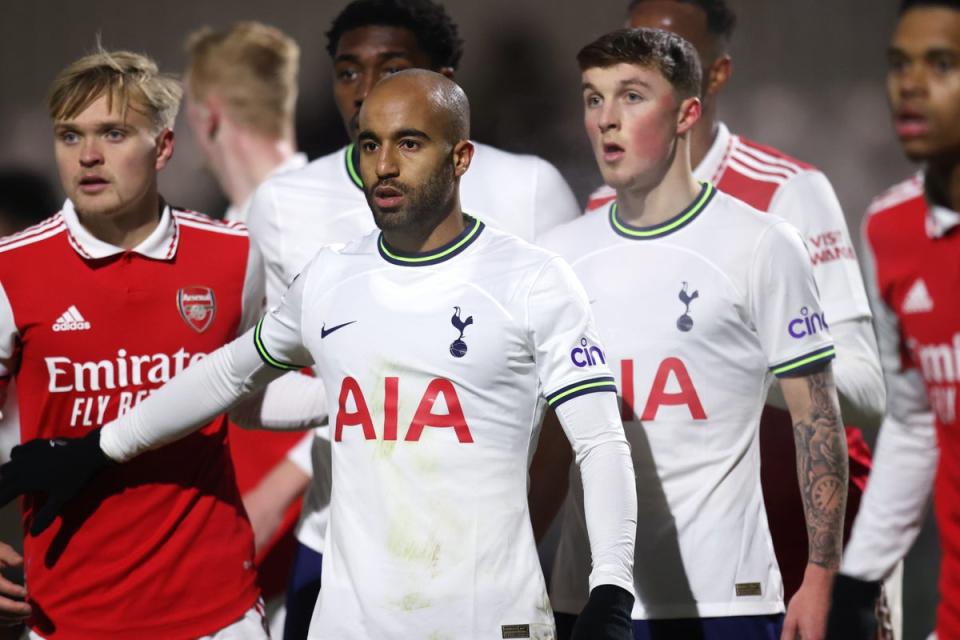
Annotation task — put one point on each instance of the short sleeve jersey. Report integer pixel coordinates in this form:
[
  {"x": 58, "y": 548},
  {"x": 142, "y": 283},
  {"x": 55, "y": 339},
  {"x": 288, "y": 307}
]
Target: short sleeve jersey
[
  {"x": 437, "y": 367},
  {"x": 296, "y": 214},
  {"x": 158, "y": 547},
  {"x": 698, "y": 314}
]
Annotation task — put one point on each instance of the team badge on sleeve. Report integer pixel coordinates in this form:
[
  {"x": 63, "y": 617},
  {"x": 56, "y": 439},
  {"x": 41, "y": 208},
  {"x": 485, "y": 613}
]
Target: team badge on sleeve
[{"x": 197, "y": 306}]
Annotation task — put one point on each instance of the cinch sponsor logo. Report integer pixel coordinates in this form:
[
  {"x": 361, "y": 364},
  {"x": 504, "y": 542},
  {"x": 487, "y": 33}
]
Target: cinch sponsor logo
[
  {"x": 807, "y": 324},
  {"x": 587, "y": 356},
  {"x": 67, "y": 376}
]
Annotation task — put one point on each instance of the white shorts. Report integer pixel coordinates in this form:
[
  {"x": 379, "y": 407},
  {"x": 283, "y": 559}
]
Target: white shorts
[{"x": 252, "y": 626}]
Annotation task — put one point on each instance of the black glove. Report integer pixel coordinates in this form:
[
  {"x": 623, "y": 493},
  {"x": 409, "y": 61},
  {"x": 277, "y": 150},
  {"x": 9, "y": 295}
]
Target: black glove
[
  {"x": 853, "y": 609},
  {"x": 606, "y": 616},
  {"x": 59, "y": 468}
]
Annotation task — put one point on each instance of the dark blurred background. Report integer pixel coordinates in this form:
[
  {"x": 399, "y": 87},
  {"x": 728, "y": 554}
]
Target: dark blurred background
[{"x": 808, "y": 79}]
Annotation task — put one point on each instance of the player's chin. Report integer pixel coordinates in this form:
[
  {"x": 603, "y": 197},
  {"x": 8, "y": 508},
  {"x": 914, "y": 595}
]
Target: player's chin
[{"x": 389, "y": 219}]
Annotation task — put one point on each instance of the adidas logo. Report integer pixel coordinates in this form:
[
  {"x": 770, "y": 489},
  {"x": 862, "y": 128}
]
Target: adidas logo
[
  {"x": 918, "y": 299},
  {"x": 71, "y": 320}
]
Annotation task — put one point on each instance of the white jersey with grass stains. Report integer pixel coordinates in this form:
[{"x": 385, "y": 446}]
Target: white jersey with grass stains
[
  {"x": 437, "y": 367},
  {"x": 697, "y": 314}
]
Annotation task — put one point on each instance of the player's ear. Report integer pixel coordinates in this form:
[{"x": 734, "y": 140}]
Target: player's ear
[
  {"x": 718, "y": 75},
  {"x": 164, "y": 148},
  {"x": 446, "y": 71},
  {"x": 462, "y": 155},
  {"x": 688, "y": 114}
]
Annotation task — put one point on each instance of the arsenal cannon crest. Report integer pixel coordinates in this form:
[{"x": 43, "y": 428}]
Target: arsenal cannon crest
[{"x": 197, "y": 306}]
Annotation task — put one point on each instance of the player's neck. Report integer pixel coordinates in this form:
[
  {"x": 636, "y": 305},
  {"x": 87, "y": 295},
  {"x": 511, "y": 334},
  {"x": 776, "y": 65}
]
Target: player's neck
[
  {"x": 943, "y": 184},
  {"x": 704, "y": 134},
  {"x": 427, "y": 238},
  {"x": 247, "y": 161},
  {"x": 649, "y": 203},
  {"x": 129, "y": 228}
]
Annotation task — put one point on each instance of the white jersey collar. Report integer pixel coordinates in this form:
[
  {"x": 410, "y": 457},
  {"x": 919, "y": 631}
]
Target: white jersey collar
[
  {"x": 161, "y": 244},
  {"x": 713, "y": 163},
  {"x": 941, "y": 220}
]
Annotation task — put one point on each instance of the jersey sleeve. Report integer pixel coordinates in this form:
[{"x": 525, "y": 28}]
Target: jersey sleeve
[
  {"x": 253, "y": 294},
  {"x": 263, "y": 221},
  {"x": 784, "y": 304},
  {"x": 9, "y": 343},
  {"x": 809, "y": 203},
  {"x": 570, "y": 360},
  {"x": 554, "y": 200},
  {"x": 278, "y": 337},
  {"x": 905, "y": 460}
]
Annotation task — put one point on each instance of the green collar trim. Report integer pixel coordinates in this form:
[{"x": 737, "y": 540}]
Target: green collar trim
[
  {"x": 667, "y": 227},
  {"x": 441, "y": 254},
  {"x": 350, "y": 161}
]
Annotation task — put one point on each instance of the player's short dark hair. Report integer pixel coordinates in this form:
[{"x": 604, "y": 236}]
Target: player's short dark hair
[
  {"x": 434, "y": 30},
  {"x": 906, "y": 5},
  {"x": 721, "y": 19},
  {"x": 668, "y": 53}
]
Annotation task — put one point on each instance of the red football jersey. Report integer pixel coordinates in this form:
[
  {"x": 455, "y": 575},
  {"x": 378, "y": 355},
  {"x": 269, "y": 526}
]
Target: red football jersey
[
  {"x": 771, "y": 181},
  {"x": 159, "y": 547},
  {"x": 916, "y": 255}
]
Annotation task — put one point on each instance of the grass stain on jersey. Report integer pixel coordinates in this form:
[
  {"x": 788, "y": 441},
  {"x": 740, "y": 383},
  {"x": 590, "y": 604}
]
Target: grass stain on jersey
[{"x": 413, "y": 601}]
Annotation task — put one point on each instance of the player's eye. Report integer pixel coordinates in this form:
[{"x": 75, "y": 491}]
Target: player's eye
[
  {"x": 897, "y": 64},
  {"x": 347, "y": 75},
  {"x": 633, "y": 96},
  {"x": 592, "y": 100},
  {"x": 69, "y": 137},
  {"x": 944, "y": 64},
  {"x": 409, "y": 145},
  {"x": 392, "y": 68},
  {"x": 115, "y": 135},
  {"x": 368, "y": 146}
]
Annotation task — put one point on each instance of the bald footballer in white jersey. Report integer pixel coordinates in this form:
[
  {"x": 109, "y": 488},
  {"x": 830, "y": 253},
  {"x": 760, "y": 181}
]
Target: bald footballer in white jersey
[
  {"x": 440, "y": 341},
  {"x": 293, "y": 215},
  {"x": 701, "y": 301}
]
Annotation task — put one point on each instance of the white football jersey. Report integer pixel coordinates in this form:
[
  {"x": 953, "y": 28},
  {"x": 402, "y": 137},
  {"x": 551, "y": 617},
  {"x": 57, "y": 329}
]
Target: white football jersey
[
  {"x": 697, "y": 315},
  {"x": 437, "y": 368},
  {"x": 295, "y": 214}
]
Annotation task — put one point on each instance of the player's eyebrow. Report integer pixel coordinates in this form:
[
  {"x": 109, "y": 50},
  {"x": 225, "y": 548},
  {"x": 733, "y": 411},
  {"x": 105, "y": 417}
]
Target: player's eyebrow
[
  {"x": 635, "y": 81},
  {"x": 366, "y": 134},
  {"x": 107, "y": 125},
  {"x": 411, "y": 133},
  {"x": 384, "y": 55}
]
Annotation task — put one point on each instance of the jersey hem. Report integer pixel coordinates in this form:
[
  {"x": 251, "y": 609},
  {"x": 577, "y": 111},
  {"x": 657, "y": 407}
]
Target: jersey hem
[{"x": 195, "y": 628}]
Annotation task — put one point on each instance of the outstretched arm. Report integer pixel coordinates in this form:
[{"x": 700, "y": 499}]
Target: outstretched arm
[{"x": 822, "y": 470}]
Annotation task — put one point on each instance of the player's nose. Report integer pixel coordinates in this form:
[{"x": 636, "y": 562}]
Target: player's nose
[
  {"x": 90, "y": 154},
  {"x": 387, "y": 162}
]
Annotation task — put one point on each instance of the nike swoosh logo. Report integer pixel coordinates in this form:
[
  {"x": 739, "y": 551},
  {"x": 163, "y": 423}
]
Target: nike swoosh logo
[{"x": 324, "y": 332}]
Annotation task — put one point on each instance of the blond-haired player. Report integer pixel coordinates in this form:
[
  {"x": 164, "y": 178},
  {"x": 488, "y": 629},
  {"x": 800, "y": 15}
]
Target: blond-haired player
[
  {"x": 100, "y": 304},
  {"x": 241, "y": 90}
]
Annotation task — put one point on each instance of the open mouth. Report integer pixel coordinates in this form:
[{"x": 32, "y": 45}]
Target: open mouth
[
  {"x": 387, "y": 197},
  {"x": 612, "y": 152},
  {"x": 910, "y": 123},
  {"x": 93, "y": 184}
]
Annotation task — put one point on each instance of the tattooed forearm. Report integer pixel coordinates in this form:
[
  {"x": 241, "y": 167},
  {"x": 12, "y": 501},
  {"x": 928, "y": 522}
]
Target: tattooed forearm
[{"x": 822, "y": 468}]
